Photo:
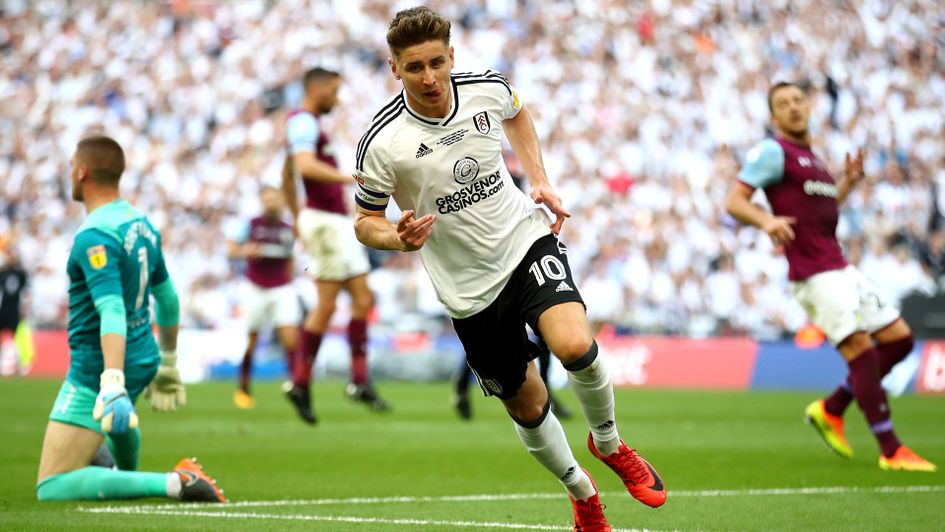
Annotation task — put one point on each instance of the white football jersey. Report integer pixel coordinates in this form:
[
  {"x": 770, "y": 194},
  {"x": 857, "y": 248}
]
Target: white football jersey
[{"x": 453, "y": 168}]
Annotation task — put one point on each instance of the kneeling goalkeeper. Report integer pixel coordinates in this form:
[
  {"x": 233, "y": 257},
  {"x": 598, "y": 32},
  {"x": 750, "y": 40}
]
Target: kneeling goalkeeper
[{"x": 114, "y": 267}]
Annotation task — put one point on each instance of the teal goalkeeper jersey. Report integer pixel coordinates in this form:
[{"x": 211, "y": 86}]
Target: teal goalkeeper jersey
[{"x": 117, "y": 252}]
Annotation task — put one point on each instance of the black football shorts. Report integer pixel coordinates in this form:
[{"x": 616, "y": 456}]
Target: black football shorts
[{"x": 495, "y": 340}]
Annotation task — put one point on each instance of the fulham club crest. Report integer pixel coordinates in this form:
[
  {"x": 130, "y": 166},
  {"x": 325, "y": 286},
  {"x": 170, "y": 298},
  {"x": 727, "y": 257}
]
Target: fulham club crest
[{"x": 481, "y": 121}]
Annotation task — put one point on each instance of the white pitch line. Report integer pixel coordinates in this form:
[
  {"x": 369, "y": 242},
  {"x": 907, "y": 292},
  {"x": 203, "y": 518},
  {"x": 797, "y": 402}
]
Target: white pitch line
[
  {"x": 360, "y": 500},
  {"x": 816, "y": 490},
  {"x": 132, "y": 510}
]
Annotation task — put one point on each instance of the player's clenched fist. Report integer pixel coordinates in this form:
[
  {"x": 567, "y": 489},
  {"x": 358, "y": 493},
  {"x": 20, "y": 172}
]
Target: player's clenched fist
[
  {"x": 113, "y": 406},
  {"x": 779, "y": 229},
  {"x": 414, "y": 232}
]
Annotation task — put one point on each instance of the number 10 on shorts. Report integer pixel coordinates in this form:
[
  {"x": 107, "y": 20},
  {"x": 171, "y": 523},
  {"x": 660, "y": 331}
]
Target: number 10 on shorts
[{"x": 552, "y": 267}]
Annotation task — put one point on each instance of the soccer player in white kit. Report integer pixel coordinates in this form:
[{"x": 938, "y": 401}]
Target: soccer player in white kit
[{"x": 492, "y": 255}]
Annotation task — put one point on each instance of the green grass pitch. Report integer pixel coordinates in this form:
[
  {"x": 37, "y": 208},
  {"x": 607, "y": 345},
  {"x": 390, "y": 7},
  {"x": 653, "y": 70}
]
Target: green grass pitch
[{"x": 421, "y": 468}]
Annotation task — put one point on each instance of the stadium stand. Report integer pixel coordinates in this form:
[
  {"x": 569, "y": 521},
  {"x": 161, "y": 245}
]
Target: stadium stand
[{"x": 645, "y": 113}]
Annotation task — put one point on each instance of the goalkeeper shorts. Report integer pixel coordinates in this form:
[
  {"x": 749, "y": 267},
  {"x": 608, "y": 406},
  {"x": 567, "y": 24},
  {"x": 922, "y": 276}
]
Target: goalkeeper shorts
[{"x": 75, "y": 403}]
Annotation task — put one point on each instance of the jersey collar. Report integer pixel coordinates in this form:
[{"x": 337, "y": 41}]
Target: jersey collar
[
  {"x": 104, "y": 213},
  {"x": 441, "y": 122}
]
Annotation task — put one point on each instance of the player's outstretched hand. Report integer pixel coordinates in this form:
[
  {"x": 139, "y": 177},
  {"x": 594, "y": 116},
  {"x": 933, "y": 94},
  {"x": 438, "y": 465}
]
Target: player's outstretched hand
[
  {"x": 113, "y": 406},
  {"x": 166, "y": 390},
  {"x": 543, "y": 194},
  {"x": 779, "y": 229},
  {"x": 414, "y": 232},
  {"x": 854, "y": 167}
]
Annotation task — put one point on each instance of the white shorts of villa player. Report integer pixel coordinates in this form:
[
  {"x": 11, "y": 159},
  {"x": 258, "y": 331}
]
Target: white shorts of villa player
[
  {"x": 842, "y": 302},
  {"x": 329, "y": 239},
  {"x": 278, "y": 307}
]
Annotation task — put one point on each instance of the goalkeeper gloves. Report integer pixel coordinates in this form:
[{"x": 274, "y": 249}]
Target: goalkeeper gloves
[
  {"x": 113, "y": 406},
  {"x": 167, "y": 391}
]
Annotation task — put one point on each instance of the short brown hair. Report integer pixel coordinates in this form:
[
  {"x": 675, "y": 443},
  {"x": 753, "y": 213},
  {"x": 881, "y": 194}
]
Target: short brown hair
[
  {"x": 416, "y": 25},
  {"x": 778, "y": 86},
  {"x": 318, "y": 75},
  {"x": 104, "y": 157}
]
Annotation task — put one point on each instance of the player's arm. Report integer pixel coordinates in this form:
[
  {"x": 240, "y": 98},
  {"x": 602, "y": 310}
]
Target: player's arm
[
  {"x": 740, "y": 206},
  {"x": 376, "y": 182},
  {"x": 302, "y": 135},
  {"x": 239, "y": 246},
  {"x": 289, "y": 189},
  {"x": 764, "y": 166},
  {"x": 408, "y": 234},
  {"x": 114, "y": 327},
  {"x": 99, "y": 259},
  {"x": 113, "y": 406},
  {"x": 520, "y": 130},
  {"x": 166, "y": 390},
  {"x": 103, "y": 277},
  {"x": 241, "y": 250},
  {"x": 311, "y": 168},
  {"x": 852, "y": 175}
]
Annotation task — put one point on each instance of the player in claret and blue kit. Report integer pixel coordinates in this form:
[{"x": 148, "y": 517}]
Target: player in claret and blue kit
[
  {"x": 339, "y": 261},
  {"x": 866, "y": 329},
  {"x": 114, "y": 267},
  {"x": 266, "y": 243}
]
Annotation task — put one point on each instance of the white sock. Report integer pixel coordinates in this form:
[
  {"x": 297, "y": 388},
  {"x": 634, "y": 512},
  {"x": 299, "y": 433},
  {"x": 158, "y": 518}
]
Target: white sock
[
  {"x": 548, "y": 444},
  {"x": 595, "y": 393},
  {"x": 173, "y": 485}
]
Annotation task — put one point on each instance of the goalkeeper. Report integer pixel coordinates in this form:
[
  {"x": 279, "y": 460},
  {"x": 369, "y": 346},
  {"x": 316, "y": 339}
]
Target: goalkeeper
[{"x": 114, "y": 266}]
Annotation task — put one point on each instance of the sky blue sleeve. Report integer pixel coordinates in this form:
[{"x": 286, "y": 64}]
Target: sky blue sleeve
[
  {"x": 240, "y": 234},
  {"x": 764, "y": 165},
  {"x": 301, "y": 132}
]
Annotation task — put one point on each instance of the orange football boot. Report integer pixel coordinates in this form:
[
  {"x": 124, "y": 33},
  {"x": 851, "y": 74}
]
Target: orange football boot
[{"x": 641, "y": 480}]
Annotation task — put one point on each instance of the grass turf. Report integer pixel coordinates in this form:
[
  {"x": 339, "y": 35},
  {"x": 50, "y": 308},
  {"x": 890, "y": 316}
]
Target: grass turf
[{"x": 696, "y": 440}]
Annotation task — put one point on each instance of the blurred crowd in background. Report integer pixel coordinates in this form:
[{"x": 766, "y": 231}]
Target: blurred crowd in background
[{"x": 645, "y": 111}]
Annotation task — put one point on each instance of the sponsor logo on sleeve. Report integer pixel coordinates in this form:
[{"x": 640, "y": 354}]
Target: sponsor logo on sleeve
[
  {"x": 97, "y": 257},
  {"x": 515, "y": 101}
]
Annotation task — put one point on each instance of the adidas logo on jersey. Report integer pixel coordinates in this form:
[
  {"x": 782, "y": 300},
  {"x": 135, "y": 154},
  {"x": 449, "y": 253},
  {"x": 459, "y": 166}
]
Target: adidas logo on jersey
[
  {"x": 423, "y": 150},
  {"x": 564, "y": 287}
]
